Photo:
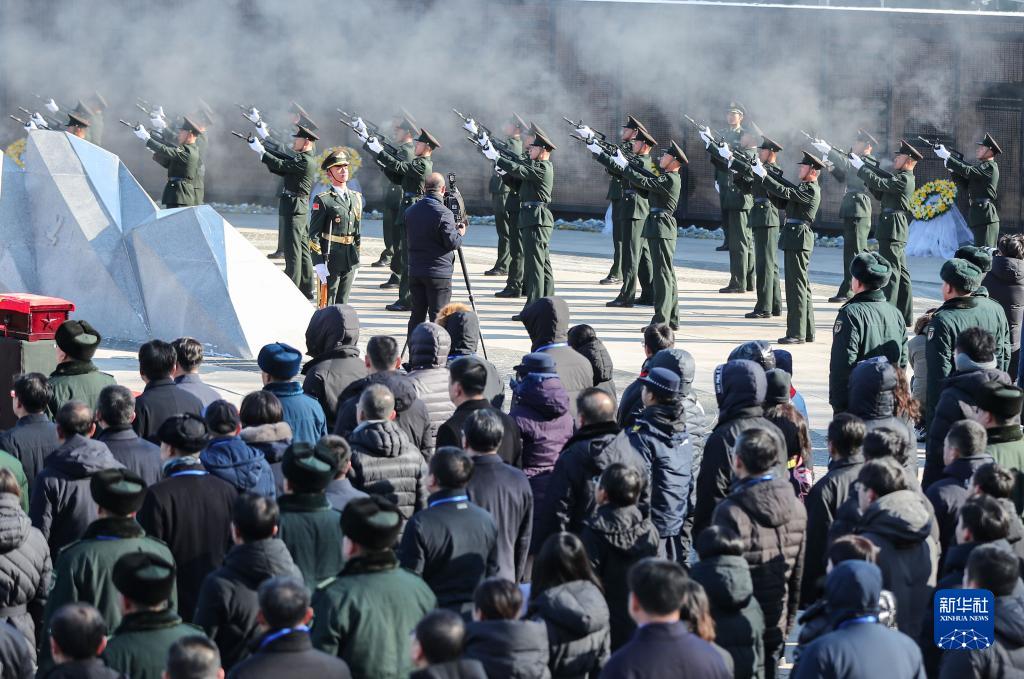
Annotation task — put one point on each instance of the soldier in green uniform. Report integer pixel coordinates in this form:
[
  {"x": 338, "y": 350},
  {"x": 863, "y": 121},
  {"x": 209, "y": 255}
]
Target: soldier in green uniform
[
  {"x": 182, "y": 162},
  {"x": 980, "y": 257},
  {"x": 98, "y": 105},
  {"x": 894, "y": 224},
  {"x": 334, "y": 230},
  {"x": 734, "y": 115},
  {"x": 204, "y": 119},
  {"x": 865, "y": 327},
  {"x": 413, "y": 175},
  {"x": 982, "y": 181},
  {"x": 737, "y": 199},
  {"x": 513, "y": 131},
  {"x": 855, "y": 210},
  {"x": 535, "y": 220},
  {"x": 514, "y": 282},
  {"x": 797, "y": 242},
  {"x": 615, "y": 195},
  {"x": 78, "y": 125},
  {"x": 764, "y": 226},
  {"x": 404, "y": 131},
  {"x": 299, "y": 174}
]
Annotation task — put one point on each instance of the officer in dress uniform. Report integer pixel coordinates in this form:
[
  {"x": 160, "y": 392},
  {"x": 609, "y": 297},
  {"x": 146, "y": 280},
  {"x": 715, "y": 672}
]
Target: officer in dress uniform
[
  {"x": 181, "y": 161},
  {"x": 982, "y": 188},
  {"x": 334, "y": 230}
]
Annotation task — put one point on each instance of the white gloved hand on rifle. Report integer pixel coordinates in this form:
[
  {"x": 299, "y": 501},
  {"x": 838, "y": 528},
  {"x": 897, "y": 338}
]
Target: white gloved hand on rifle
[
  {"x": 717, "y": 189},
  {"x": 470, "y": 126},
  {"x": 262, "y": 130},
  {"x": 594, "y": 147},
  {"x": 38, "y": 121},
  {"x": 374, "y": 145},
  {"x": 500, "y": 172},
  {"x": 158, "y": 123},
  {"x": 855, "y": 161},
  {"x": 359, "y": 127},
  {"x": 620, "y": 159},
  {"x": 256, "y": 146},
  {"x": 941, "y": 151},
  {"x": 321, "y": 272},
  {"x": 483, "y": 141},
  {"x": 29, "y": 126},
  {"x": 758, "y": 168},
  {"x": 821, "y": 146},
  {"x": 51, "y": 106},
  {"x": 725, "y": 152},
  {"x": 706, "y": 136},
  {"x": 489, "y": 152},
  {"x": 140, "y": 132},
  {"x": 252, "y": 114},
  {"x": 584, "y": 132}
]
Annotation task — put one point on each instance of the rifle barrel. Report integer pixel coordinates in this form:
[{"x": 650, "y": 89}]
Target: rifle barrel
[
  {"x": 125, "y": 123},
  {"x": 240, "y": 135}
]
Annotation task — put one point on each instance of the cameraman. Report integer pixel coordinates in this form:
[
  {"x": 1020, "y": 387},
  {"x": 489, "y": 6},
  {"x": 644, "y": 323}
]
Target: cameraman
[{"x": 433, "y": 237}]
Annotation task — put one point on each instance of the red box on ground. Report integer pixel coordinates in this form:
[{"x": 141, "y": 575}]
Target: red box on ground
[{"x": 32, "y": 317}]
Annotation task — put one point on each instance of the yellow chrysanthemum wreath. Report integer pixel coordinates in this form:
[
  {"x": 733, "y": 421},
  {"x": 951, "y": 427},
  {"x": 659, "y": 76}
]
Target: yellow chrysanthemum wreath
[
  {"x": 15, "y": 150},
  {"x": 933, "y": 199},
  {"x": 354, "y": 162}
]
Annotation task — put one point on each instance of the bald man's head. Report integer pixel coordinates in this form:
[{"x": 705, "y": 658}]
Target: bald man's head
[
  {"x": 434, "y": 183},
  {"x": 595, "y": 406}
]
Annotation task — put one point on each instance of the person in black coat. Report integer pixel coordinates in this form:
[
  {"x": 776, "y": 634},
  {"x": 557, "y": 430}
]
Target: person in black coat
[
  {"x": 437, "y": 646},
  {"x": 190, "y": 509},
  {"x": 1005, "y": 284},
  {"x": 264, "y": 428},
  {"x": 433, "y": 237},
  {"x": 284, "y": 650},
  {"x": 845, "y": 437},
  {"x": 502, "y": 490},
  {"x": 468, "y": 377},
  {"x": 161, "y": 398},
  {"x": 115, "y": 411},
  {"x": 996, "y": 481},
  {"x": 453, "y": 543},
  {"x": 547, "y": 322},
  {"x": 332, "y": 339},
  {"x": 189, "y": 354},
  {"x": 16, "y": 653},
  {"x": 585, "y": 341},
  {"x": 463, "y": 327},
  {"x": 34, "y": 436},
  {"x": 875, "y": 397},
  {"x": 194, "y": 657},
  {"x": 78, "y": 636},
  {"x": 974, "y": 358},
  {"x": 657, "y": 336},
  {"x": 964, "y": 453},
  {"x": 505, "y": 645}
]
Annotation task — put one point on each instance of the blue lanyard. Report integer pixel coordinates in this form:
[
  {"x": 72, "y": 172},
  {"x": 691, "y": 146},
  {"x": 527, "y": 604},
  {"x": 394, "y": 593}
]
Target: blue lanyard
[
  {"x": 756, "y": 480},
  {"x": 446, "y": 500},
  {"x": 190, "y": 472},
  {"x": 550, "y": 346},
  {"x": 862, "y": 620},
  {"x": 281, "y": 633},
  {"x": 106, "y": 537}
]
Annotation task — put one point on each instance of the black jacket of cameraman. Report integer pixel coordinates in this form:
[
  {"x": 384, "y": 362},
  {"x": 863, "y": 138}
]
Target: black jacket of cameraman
[{"x": 433, "y": 238}]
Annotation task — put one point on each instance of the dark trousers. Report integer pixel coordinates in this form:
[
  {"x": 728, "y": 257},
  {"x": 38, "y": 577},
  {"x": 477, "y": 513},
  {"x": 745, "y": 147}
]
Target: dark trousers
[
  {"x": 855, "y": 241},
  {"x": 339, "y": 279},
  {"x": 725, "y": 227},
  {"x": 618, "y": 235},
  {"x": 400, "y": 260},
  {"x": 298, "y": 262},
  {"x": 502, "y": 225},
  {"x": 799, "y": 306},
  {"x": 899, "y": 292},
  {"x": 428, "y": 296},
  {"x": 766, "y": 266},
  {"x": 671, "y": 548},
  {"x": 741, "y": 258},
  {"x": 636, "y": 261},
  {"x": 515, "y": 253},
  {"x": 538, "y": 277},
  {"x": 666, "y": 295},
  {"x": 985, "y": 235},
  {"x": 389, "y": 217}
]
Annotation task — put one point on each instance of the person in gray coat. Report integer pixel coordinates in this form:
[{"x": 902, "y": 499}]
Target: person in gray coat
[
  {"x": 428, "y": 371},
  {"x": 332, "y": 339},
  {"x": 34, "y": 436},
  {"x": 547, "y": 321}
]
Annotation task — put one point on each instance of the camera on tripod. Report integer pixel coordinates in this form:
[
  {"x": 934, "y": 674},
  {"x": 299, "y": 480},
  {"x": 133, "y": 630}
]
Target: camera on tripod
[{"x": 453, "y": 201}]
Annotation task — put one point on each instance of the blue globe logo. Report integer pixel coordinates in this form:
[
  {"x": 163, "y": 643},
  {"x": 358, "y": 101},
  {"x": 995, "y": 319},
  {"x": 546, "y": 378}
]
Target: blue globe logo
[{"x": 964, "y": 640}]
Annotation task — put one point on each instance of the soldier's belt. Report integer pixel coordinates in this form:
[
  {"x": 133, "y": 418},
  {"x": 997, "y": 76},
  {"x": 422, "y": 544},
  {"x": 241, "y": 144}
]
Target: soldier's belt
[
  {"x": 893, "y": 211},
  {"x": 533, "y": 203},
  {"x": 630, "y": 192},
  {"x": 344, "y": 240},
  {"x": 760, "y": 201},
  {"x": 980, "y": 202},
  {"x": 658, "y": 210},
  {"x": 292, "y": 194},
  {"x": 797, "y": 221},
  {"x": 849, "y": 190},
  {"x": 176, "y": 179}
]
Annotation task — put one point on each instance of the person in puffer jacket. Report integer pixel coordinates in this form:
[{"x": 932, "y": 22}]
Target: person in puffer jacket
[
  {"x": 463, "y": 327},
  {"x": 1005, "y": 284},
  {"x": 230, "y": 458},
  {"x": 660, "y": 438},
  {"x": 566, "y": 596},
  {"x": 332, "y": 339},
  {"x": 429, "y": 345},
  {"x": 25, "y": 565},
  {"x": 540, "y": 408},
  {"x": 384, "y": 461},
  {"x": 264, "y": 428},
  {"x": 547, "y": 321},
  {"x": 875, "y": 395},
  {"x": 740, "y": 388},
  {"x": 508, "y": 648},
  {"x": 584, "y": 340}
]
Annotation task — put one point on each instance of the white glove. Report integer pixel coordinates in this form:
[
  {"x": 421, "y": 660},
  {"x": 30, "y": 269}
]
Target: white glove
[
  {"x": 158, "y": 123},
  {"x": 620, "y": 159},
  {"x": 360, "y": 128},
  {"x": 941, "y": 151},
  {"x": 256, "y": 146},
  {"x": 51, "y": 106},
  {"x": 499, "y": 171},
  {"x": 717, "y": 190},
  {"x": 470, "y": 126},
  {"x": 594, "y": 147},
  {"x": 374, "y": 145},
  {"x": 252, "y": 114},
  {"x": 321, "y": 272},
  {"x": 489, "y": 152},
  {"x": 29, "y": 126},
  {"x": 38, "y": 120},
  {"x": 262, "y": 130},
  {"x": 483, "y": 141},
  {"x": 821, "y": 146},
  {"x": 141, "y": 132},
  {"x": 585, "y": 132},
  {"x": 706, "y": 138},
  {"x": 855, "y": 161},
  {"x": 758, "y": 168},
  {"x": 724, "y": 151}
]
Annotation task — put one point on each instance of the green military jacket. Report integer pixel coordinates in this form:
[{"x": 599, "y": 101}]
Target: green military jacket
[
  {"x": 894, "y": 224},
  {"x": 722, "y": 175},
  {"x": 764, "y": 214},
  {"x": 856, "y": 201},
  {"x": 515, "y": 144},
  {"x": 1006, "y": 446},
  {"x": 139, "y": 645},
  {"x": 412, "y": 173},
  {"x": 202, "y": 144},
  {"x": 538, "y": 183},
  {"x": 1001, "y": 328},
  {"x": 338, "y": 216},
  {"x": 663, "y": 193},
  {"x": 299, "y": 173},
  {"x": 311, "y": 530},
  {"x": 982, "y": 188},
  {"x": 802, "y": 204},
  {"x": 635, "y": 202},
  {"x": 78, "y": 381},
  {"x": 364, "y": 616},
  {"x": 393, "y": 190},
  {"x": 735, "y": 194},
  {"x": 617, "y": 183},
  {"x": 182, "y": 163},
  {"x": 865, "y": 327},
  {"x": 13, "y": 465}
]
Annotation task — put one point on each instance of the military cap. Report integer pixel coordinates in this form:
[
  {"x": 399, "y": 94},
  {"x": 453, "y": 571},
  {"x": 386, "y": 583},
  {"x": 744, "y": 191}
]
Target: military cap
[
  {"x": 307, "y": 467},
  {"x": 991, "y": 143},
  {"x": 1002, "y": 400},
  {"x": 811, "y": 161},
  {"x": 673, "y": 150},
  {"x": 144, "y": 578},
  {"x": 119, "y": 491},
  {"x": 305, "y": 133},
  {"x": 307, "y": 122},
  {"x": 736, "y": 107},
  {"x": 540, "y": 139},
  {"x": 189, "y": 125},
  {"x": 518, "y": 122},
  {"x": 280, "y": 360},
  {"x": 80, "y": 107},
  {"x": 99, "y": 103},
  {"x": 871, "y": 269},
  {"x": 865, "y": 136},
  {"x": 961, "y": 274},
  {"x": 77, "y": 120},
  {"x": 778, "y": 382},
  {"x": 78, "y": 339},
  {"x": 643, "y": 135},
  {"x": 336, "y": 157},
  {"x": 769, "y": 144},
  {"x": 979, "y": 257},
  {"x": 297, "y": 109},
  {"x": 906, "y": 149},
  {"x": 371, "y": 522},
  {"x": 428, "y": 139},
  {"x": 663, "y": 382},
  {"x": 633, "y": 124},
  {"x": 186, "y": 432}
]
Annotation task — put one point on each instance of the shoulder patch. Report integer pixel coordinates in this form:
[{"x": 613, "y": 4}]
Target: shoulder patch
[
  {"x": 316, "y": 204},
  {"x": 838, "y": 327},
  {"x": 931, "y": 332}
]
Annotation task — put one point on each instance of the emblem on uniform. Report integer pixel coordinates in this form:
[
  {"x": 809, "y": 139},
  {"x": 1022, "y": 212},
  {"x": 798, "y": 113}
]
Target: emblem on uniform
[
  {"x": 931, "y": 333},
  {"x": 838, "y": 327},
  {"x": 316, "y": 205}
]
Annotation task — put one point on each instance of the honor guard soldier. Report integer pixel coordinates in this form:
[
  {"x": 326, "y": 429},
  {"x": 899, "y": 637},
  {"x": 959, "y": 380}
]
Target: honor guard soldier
[
  {"x": 982, "y": 188},
  {"x": 616, "y": 187},
  {"x": 797, "y": 242},
  {"x": 98, "y": 105},
  {"x": 737, "y": 199},
  {"x": 535, "y": 220},
  {"x": 764, "y": 225},
  {"x": 84, "y": 111},
  {"x": 865, "y": 327},
  {"x": 413, "y": 174},
  {"x": 405, "y": 130},
  {"x": 513, "y": 131},
  {"x": 182, "y": 162},
  {"x": 894, "y": 224},
  {"x": 334, "y": 230},
  {"x": 514, "y": 281},
  {"x": 734, "y": 115},
  {"x": 78, "y": 125},
  {"x": 855, "y": 210},
  {"x": 204, "y": 119},
  {"x": 299, "y": 174}
]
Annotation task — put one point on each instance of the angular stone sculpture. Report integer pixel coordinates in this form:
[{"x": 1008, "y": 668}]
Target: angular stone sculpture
[{"x": 74, "y": 223}]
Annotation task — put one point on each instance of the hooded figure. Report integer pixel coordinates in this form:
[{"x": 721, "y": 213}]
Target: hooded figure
[
  {"x": 577, "y": 619},
  {"x": 587, "y": 344},
  {"x": 232, "y": 459},
  {"x": 858, "y": 646},
  {"x": 739, "y": 622},
  {"x": 1005, "y": 285},
  {"x": 740, "y": 387},
  {"x": 429, "y": 345},
  {"x": 547, "y": 321},
  {"x": 331, "y": 339},
  {"x": 463, "y": 327},
  {"x": 872, "y": 397},
  {"x": 410, "y": 412}
]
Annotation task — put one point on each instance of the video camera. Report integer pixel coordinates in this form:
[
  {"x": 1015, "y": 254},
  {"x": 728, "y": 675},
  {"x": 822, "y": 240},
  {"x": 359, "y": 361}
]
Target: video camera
[{"x": 453, "y": 201}]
